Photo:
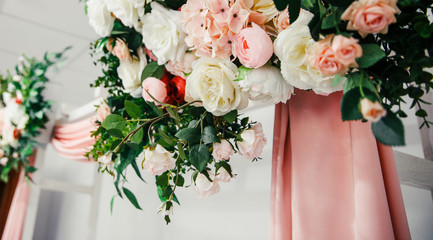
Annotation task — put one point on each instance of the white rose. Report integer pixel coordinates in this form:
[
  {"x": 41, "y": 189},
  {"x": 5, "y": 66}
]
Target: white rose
[
  {"x": 106, "y": 161},
  {"x": 266, "y": 84},
  {"x": 212, "y": 82},
  {"x": 163, "y": 34},
  {"x": 16, "y": 114},
  {"x": 292, "y": 46},
  {"x": 99, "y": 17},
  {"x": 126, "y": 11},
  {"x": 223, "y": 175},
  {"x": 205, "y": 188},
  {"x": 265, "y": 7},
  {"x": 130, "y": 74},
  {"x": 158, "y": 160}
]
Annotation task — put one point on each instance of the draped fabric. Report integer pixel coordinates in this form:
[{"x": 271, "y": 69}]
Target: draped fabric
[
  {"x": 17, "y": 212},
  {"x": 73, "y": 140},
  {"x": 331, "y": 179}
]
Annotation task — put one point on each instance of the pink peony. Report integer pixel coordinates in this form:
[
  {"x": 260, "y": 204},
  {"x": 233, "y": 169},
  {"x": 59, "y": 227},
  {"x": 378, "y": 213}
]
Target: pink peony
[
  {"x": 156, "y": 88},
  {"x": 322, "y": 57},
  {"x": 370, "y": 16},
  {"x": 253, "y": 46},
  {"x": 253, "y": 141},
  {"x": 372, "y": 111},
  {"x": 346, "y": 50},
  {"x": 222, "y": 151}
]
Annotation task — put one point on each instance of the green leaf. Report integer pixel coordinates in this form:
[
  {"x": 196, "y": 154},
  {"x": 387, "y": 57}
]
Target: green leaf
[
  {"x": 181, "y": 151},
  {"x": 339, "y": 3},
  {"x": 162, "y": 180},
  {"x": 350, "y": 105},
  {"x": 132, "y": 109},
  {"x": 138, "y": 136},
  {"x": 114, "y": 121},
  {"x": 131, "y": 198},
  {"x": 294, "y": 10},
  {"x": 199, "y": 156},
  {"x": 242, "y": 73},
  {"x": 337, "y": 80},
  {"x": 179, "y": 180},
  {"x": 329, "y": 21},
  {"x": 137, "y": 170},
  {"x": 231, "y": 116},
  {"x": 169, "y": 140},
  {"x": 115, "y": 133},
  {"x": 371, "y": 54},
  {"x": 209, "y": 135},
  {"x": 111, "y": 204},
  {"x": 152, "y": 69},
  {"x": 389, "y": 130},
  {"x": 155, "y": 109},
  {"x": 189, "y": 134},
  {"x": 281, "y": 4},
  {"x": 133, "y": 145}
]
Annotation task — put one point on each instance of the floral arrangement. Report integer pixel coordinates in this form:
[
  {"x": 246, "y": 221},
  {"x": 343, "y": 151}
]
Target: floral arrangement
[
  {"x": 23, "y": 112},
  {"x": 178, "y": 71}
]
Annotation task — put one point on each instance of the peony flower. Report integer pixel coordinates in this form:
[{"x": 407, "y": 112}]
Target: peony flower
[
  {"x": 253, "y": 46},
  {"x": 346, "y": 50},
  {"x": 126, "y": 11},
  {"x": 266, "y": 84},
  {"x": 156, "y": 88},
  {"x": 372, "y": 111},
  {"x": 163, "y": 34},
  {"x": 322, "y": 57},
  {"x": 370, "y": 16},
  {"x": 103, "y": 111},
  {"x": 222, "y": 150},
  {"x": 4, "y": 161},
  {"x": 253, "y": 141},
  {"x": 179, "y": 68},
  {"x": 265, "y": 7},
  {"x": 176, "y": 90},
  {"x": 99, "y": 17},
  {"x": 212, "y": 82},
  {"x": 120, "y": 49},
  {"x": 223, "y": 175},
  {"x": 130, "y": 74},
  {"x": 291, "y": 47},
  {"x": 205, "y": 188},
  {"x": 158, "y": 160},
  {"x": 282, "y": 20},
  {"x": 106, "y": 161}
]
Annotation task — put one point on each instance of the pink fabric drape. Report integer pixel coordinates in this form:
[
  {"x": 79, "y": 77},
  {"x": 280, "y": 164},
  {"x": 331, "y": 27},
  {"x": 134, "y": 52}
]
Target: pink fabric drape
[
  {"x": 73, "y": 140},
  {"x": 17, "y": 212},
  {"x": 331, "y": 179}
]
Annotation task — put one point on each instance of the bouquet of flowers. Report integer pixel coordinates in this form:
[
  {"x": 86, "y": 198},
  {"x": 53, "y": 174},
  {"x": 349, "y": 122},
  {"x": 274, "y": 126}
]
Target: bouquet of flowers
[
  {"x": 23, "y": 112},
  {"x": 178, "y": 71}
]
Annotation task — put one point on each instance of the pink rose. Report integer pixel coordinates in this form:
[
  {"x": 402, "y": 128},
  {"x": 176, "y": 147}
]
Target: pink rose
[
  {"x": 158, "y": 160},
  {"x": 154, "y": 87},
  {"x": 282, "y": 20},
  {"x": 346, "y": 50},
  {"x": 372, "y": 111},
  {"x": 222, "y": 151},
  {"x": 253, "y": 141},
  {"x": 370, "y": 16},
  {"x": 223, "y": 175},
  {"x": 103, "y": 112},
  {"x": 120, "y": 50},
  {"x": 253, "y": 46},
  {"x": 322, "y": 57},
  {"x": 205, "y": 188}
]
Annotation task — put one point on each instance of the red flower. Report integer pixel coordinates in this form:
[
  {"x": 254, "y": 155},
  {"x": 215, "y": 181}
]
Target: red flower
[
  {"x": 18, "y": 101},
  {"x": 176, "y": 90},
  {"x": 17, "y": 133}
]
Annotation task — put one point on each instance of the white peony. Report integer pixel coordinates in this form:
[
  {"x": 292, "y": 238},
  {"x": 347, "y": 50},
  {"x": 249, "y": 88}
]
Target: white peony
[
  {"x": 292, "y": 46},
  {"x": 212, "y": 82},
  {"x": 157, "y": 160},
  {"x": 265, "y": 7},
  {"x": 266, "y": 84},
  {"x": 16, "y": 114},
  {"x": 126, "y": 11},
  {"x": 130, "y": 74},
  {"x": 163, "y": 34},
  {"x": 99, "y": 17},
  {"x": 205, "y": 188}
]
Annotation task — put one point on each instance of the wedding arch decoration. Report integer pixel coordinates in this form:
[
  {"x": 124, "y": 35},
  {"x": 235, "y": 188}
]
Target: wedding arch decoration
[
  {"x": 24, "y": 111},
  {"x": 178, "y": 71}
]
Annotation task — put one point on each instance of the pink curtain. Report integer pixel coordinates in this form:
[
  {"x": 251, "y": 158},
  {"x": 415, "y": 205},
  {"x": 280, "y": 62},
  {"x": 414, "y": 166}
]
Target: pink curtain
[
  {"x": 17, "y": 212},
  {"x": 73, "y": 140},
  {"x": 331, "y": 179}
]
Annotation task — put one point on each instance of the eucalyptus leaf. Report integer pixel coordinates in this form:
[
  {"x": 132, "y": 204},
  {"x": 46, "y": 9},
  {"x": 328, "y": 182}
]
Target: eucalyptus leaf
[
  {"x": 210, "y": 135},
  {"x": 389, "y": 130},
  {"x": 114, "y": 121},
  {"x": 131, "y": 198},
  {"x": 371, "y": 54},
  {"x": 189, "y": 134},
  {"x": 199, "y": 156},
  {"x": 132, "y": 109},
  {"x": 152, "y": 69}
]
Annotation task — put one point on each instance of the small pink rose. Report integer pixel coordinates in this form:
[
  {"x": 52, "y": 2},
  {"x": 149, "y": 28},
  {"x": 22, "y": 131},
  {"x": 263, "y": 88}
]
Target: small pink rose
[
  {"x": 154, "y": 87},
  {"x": 346, "y": 50},
  {"x": 372, "y": 111},
  {"x": 253, "y": 141},
  {"x": 103, "y": 112},
  {"x": 120, "y": 49},
  {"x": 253, "y": 46},
  {"x": 205, "y": 188},
  {"x": 158, "y": 160},
  {"x": 322, "y": 57},
  {"x": 222, "y": 150},
  {"x": 282, "y": 20},
  {"x": 223, "y": 175},
  {"x": 371, "y": 16}
]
